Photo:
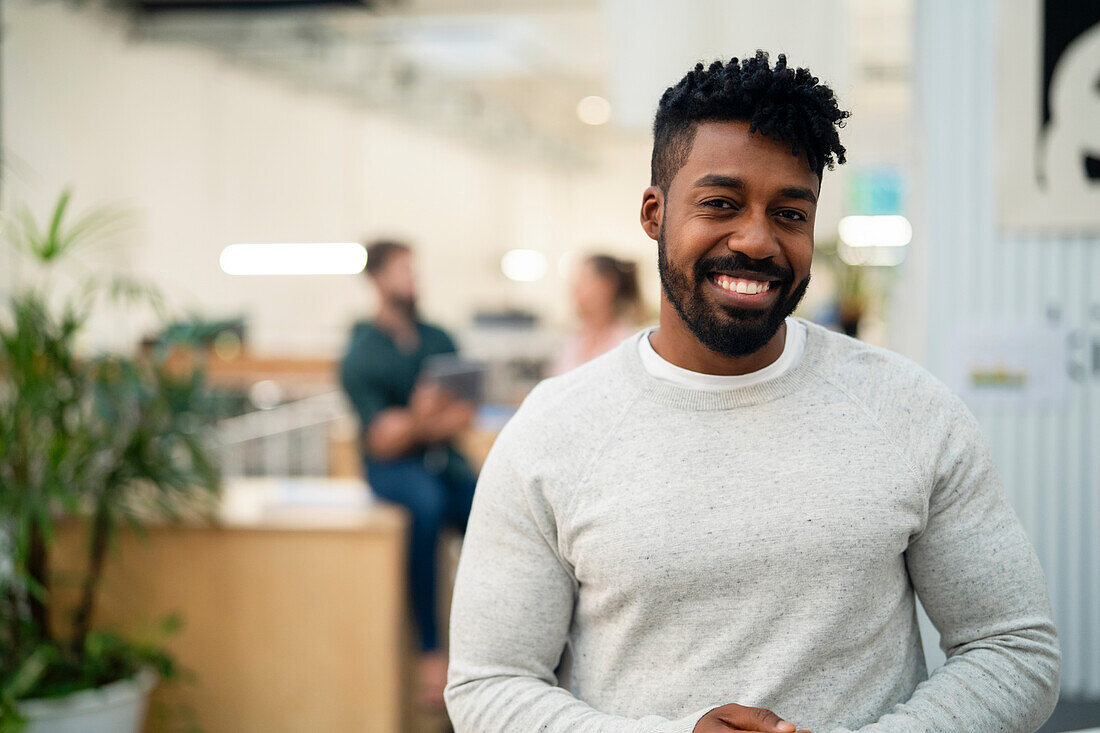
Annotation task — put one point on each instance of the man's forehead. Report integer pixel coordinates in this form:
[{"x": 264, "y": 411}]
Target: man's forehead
[{"x": 729, "y": 149}]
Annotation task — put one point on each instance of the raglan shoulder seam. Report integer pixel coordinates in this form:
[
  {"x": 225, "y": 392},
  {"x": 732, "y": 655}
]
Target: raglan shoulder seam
[{"x": 891, "y": 441}]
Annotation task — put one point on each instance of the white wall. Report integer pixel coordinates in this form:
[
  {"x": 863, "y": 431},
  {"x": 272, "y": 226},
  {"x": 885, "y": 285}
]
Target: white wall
[
  {"x": 979, "y": 270},
  {"x": 205, "y": 154}
]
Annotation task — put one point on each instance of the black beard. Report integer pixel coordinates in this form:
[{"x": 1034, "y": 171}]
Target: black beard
[
  {"x": 404, "y": 305},
  {"x": 724, "y": 329}
]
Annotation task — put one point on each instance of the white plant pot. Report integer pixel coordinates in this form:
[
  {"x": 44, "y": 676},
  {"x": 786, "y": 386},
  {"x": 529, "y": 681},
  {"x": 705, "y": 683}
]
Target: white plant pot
[{"x": 115, "y": 708}]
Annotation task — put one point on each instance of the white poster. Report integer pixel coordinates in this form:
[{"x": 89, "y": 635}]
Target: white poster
[
  {"x": 1010, "y": 363},
  {"x": 1048, "y": 115}
]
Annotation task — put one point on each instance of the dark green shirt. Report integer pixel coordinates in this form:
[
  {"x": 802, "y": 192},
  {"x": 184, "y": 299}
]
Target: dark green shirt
[{"x": 377, "y": 375}]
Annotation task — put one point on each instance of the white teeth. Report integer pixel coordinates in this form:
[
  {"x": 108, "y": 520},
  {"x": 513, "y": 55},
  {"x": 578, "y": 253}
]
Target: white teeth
[{"x": 748, "y": 287}]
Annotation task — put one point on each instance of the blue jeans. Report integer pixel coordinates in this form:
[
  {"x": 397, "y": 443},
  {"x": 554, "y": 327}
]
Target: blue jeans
[{"x": 437, "y": 493}]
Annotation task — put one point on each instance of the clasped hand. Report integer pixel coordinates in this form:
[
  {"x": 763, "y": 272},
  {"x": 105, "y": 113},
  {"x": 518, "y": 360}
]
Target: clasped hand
[
  {"x": 438, "y": 414},
  {"x": 735, "y": 717}
]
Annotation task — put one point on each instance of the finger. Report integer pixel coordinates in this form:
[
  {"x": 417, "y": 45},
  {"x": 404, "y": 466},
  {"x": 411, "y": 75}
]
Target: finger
[
  {"x": 760, "y": 720},
  {"x": 770, "y": 721}
]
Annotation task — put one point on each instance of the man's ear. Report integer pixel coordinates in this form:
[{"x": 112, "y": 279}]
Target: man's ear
[{"x": 653, "y": 211}]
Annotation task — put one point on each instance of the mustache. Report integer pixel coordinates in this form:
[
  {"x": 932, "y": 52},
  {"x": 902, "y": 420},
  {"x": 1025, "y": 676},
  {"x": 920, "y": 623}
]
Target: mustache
[{"x": 739, "y": 261}]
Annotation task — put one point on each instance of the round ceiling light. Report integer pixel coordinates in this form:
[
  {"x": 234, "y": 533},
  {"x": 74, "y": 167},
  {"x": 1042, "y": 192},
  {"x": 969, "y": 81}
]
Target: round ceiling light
[{"x": 594, "y": 110}]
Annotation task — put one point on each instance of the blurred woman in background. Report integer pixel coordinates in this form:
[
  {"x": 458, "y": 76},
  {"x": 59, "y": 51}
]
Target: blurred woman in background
[{"x": 608, "y": 304}]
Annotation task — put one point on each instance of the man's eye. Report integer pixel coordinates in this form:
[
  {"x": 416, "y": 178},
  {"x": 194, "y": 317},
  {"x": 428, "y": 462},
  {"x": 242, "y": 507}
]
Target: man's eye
[
  {"x": 792, "y": 215},
  {"x": 718, "y": 204}
]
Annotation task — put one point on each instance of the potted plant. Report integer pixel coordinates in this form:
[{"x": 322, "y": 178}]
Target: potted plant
[
  {"x": 103, "y": 438},
  {"x": 857, "y": 288}
]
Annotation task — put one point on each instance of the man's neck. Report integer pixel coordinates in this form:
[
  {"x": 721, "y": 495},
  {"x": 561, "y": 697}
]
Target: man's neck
[{"x": 675, "y": 343}]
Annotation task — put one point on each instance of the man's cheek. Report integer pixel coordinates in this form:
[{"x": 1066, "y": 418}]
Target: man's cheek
[{"x": 700, "y": 234}]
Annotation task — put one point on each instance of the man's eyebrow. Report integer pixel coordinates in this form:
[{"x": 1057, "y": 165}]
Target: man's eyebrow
[
  {"x": 719, "y": 181},
  {"x": 715, "y": 180},
  {"x": 798, "y": 192}
]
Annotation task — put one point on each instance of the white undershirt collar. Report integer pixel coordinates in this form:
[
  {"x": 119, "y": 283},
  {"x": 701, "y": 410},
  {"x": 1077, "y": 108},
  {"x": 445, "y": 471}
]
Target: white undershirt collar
[{"x": 657, "y": 367}]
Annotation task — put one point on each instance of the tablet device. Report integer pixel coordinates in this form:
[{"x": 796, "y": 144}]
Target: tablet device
[{"x": 464, "y": 378}]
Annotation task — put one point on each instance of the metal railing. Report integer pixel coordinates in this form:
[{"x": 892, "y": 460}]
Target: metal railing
[{"x": 291, "y": 439}]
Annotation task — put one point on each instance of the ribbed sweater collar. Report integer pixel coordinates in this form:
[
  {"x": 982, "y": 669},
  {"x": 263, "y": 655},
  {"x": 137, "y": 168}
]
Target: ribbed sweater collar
[{"x": 684, "y": 398}]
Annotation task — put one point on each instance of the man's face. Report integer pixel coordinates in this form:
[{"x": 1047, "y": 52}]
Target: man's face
[
  {"x": 735, "y": 236},
  {"x": 397, "y": 281}
]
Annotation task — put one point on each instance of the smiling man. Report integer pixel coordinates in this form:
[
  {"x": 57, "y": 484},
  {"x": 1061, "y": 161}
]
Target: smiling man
[{"x": 724, "y": 523}]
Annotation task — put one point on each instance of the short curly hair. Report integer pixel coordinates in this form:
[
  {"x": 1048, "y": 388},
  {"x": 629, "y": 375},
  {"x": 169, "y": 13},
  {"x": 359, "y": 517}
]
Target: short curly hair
[{"x": 788, "y": 105}]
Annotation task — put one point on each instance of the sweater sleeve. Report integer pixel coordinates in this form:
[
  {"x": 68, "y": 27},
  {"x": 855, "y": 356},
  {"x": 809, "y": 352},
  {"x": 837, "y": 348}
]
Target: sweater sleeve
[
  {"x": 511, "y": 613},
  {"x": 979, "y": 579}
]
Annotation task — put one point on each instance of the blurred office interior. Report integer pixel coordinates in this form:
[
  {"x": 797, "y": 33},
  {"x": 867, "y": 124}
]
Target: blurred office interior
[{"x": 505, "y": 140}]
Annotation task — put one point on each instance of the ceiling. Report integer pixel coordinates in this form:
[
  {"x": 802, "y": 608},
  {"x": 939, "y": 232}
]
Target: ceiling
[{"x": 512, "y": 71}]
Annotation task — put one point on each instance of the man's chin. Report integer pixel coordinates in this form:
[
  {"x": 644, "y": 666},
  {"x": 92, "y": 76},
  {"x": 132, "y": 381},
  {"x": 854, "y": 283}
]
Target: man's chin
[
  {"x": 743, "y": 316},
  {"x": 737, "y": 332},
  {"x": 740, "y": 318},
  {"x": 405, "y": 305}
]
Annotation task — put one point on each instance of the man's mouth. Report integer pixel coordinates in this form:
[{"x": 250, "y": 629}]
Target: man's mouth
[{"x": 742, "y": 285}]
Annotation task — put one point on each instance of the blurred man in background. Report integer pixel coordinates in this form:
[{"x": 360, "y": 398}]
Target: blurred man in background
[{"x": 408, "y": 427}]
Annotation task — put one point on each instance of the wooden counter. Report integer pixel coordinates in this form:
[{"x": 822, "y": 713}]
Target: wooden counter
[{"x": 288, "y": 626}]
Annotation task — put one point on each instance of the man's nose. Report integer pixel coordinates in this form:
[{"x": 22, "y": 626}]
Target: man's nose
[{"x": 754, "y": 237}]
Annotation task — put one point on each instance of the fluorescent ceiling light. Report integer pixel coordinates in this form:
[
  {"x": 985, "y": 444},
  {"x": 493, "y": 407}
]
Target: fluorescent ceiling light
[
  {"x": 304, "y": 258},
  {"x": 875, "y": 231},
  {"x": 594, "y": 110},
  {"x": 523, "y": 265}
]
